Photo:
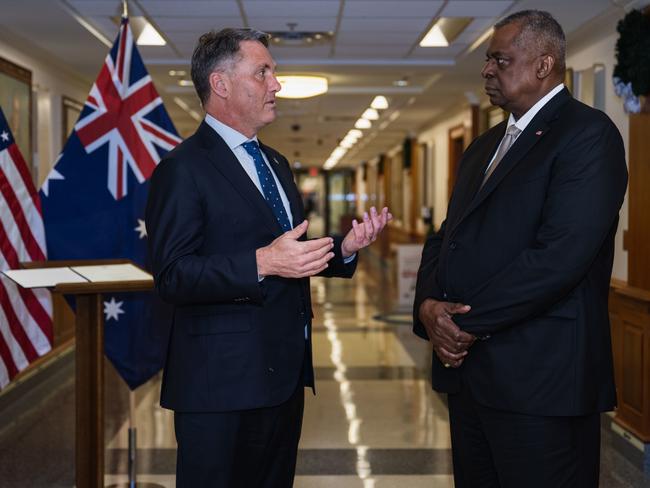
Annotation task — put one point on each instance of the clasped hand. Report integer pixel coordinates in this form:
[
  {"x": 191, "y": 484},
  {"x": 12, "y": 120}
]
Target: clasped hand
[{"x": 449, "y": 342}]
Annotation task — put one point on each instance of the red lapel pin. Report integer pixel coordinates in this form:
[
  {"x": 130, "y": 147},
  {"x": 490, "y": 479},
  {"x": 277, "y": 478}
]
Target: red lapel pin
[{"x": 538, "y": 133}]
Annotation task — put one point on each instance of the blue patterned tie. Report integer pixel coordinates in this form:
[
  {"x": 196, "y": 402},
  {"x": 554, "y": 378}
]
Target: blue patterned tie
[{"x": 269, "y": 188}]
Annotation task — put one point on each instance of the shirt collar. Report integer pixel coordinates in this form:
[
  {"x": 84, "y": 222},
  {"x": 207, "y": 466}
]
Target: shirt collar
[
  {"x": 525, "y": 119},
  {"x": 231, "y": 137}
]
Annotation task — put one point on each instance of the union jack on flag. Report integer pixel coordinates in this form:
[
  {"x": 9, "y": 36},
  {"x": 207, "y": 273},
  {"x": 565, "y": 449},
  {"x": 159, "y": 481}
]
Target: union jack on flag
[{"x": 94, "y": 197}]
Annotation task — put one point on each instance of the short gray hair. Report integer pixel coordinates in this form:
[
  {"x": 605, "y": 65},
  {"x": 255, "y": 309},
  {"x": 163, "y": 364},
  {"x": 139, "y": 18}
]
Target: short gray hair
[
  {"x": 214, "y": 49},
  {"x": 539, "y": 30}
]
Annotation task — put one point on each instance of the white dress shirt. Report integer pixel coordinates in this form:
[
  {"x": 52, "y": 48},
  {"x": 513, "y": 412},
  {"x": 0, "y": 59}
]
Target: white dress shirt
[
  {"x": 234, "y": 140},
  {"x": 525, "y": 119}
]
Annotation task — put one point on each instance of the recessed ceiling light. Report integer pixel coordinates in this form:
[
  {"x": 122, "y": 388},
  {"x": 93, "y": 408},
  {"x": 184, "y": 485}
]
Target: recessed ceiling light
[
  {"x": 185, "y": 83},
  {"x": 379, "y": 102},
  {"x": 445, "y": 31},
  {"x": 145, "y": 33},
  {"x": 150, "y": 37},
  {"x": 370, "y": 114},
  {"x": 298, "y": 86},
  {"x": 177, "y": 72},
  {"x": 434, "y": 38},
  {"x": 402, "y": 82},
  {"x": 363, "y": 124}
]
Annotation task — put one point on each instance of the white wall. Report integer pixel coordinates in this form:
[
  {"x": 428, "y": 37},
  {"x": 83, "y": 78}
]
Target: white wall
[
  {"x": 49, "y": 83},
  {"x": 437, "y": 137},
  {"x": 603, "y": 51}
]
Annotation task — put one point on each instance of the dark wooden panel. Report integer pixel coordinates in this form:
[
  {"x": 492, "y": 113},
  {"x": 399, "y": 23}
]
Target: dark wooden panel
[
  {"x": 416, "y": 176},
  {"x": 630, "y": 321},
  {"x": 631, "y": 389},
  {"x": 638, "y": 235}
]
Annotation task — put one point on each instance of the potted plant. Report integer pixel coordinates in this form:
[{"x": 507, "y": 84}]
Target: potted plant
[{"x": 632, "y": 71}]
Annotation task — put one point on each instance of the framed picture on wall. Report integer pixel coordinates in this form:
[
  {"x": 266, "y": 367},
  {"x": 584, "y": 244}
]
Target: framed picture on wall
[
  {"x": 493, "y": 116},
  {"x": 16, "y": 103},
  {"x": 70, "y": 110}
]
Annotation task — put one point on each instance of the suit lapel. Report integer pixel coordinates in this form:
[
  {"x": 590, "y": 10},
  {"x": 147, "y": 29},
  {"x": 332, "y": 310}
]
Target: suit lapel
[
  {"x": 534, "y": 132},
  {"x": 474, "y": 176},
  {"x": 225, "y": 161}
]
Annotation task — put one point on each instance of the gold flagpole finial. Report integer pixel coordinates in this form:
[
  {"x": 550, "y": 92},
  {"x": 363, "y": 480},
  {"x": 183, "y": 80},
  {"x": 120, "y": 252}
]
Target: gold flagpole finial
[{"x": 125, "y": 9}]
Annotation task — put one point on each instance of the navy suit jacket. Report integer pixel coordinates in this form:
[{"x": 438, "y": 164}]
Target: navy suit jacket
[
  {"x": 236, "y": 343},
  {"x": 531, "y": 252}
]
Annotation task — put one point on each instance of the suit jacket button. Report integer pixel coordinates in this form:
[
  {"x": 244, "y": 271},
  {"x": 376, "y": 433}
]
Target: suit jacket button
[
  {"x": 271, "y": 370},
  {"x": 453, "y": 245}
]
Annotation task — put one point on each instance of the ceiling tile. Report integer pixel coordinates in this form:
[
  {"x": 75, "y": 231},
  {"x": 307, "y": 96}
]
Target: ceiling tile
[
  {"x": 377, "y": 25},
  {"x": 405, "y": 8},
  {"x": 196, "y": 25},
  {"x": 475, "y": 8},
  {"x": 313, "y": 52},
  {"x": 191, "y": 8},
  {"x": 291, "y": 9},
  {"x": 96, "y": 7},
  {"x": 318, "y": 24},
  {"x": 364, "y": 38},
  {"x": 371, "y": 51}
]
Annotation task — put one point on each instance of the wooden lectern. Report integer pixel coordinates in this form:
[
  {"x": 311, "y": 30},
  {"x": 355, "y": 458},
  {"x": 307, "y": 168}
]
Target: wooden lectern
[{"x": 89, "y": 365}]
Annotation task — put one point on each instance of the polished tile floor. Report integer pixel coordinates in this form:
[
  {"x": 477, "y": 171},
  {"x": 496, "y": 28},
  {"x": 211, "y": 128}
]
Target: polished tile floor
[{"x": 374, "y": 423}]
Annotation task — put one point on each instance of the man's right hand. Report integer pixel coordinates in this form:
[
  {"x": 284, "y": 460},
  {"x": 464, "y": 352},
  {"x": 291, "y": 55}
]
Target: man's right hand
[
  {"x": 288, "y": 257},
  {"x": 449, "y": 342}
]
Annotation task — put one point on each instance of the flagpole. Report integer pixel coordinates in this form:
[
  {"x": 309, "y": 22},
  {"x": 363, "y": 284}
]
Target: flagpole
[
  {"x": 132, "y": 451},
  {"x": 125, "y": 9}
]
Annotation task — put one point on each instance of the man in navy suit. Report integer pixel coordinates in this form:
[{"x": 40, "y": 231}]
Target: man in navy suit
[
  {"x": 512, "y": 291},
  {"x": 227, "y": 239}
]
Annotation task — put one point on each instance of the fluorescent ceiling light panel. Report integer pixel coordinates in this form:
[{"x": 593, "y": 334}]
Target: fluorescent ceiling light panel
[
  {"x": 434, "y": 38},
  {"x": 150, "y": 37},
  {"x": 445, "y": 31},
  {"x": 295, "y": 86}
]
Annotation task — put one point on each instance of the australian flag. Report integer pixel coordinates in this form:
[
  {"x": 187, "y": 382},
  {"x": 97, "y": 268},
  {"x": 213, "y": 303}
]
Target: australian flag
[{"x": 94, "y": 198}]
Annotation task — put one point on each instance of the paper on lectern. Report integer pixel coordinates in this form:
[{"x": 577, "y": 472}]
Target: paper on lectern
[
  {"x": 50, "y": 277},
  {"x": 112, "y": 272},
  {"x": 43, "y": 277}
]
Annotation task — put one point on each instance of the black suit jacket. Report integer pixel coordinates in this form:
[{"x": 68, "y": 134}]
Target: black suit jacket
[
  {"x": 531, "y": 252},
  {"x": 236, "y": 343}
]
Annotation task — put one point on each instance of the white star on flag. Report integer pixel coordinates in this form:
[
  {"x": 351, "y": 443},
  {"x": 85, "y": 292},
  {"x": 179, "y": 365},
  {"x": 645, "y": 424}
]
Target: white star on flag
[
  {"x": 113, "y": 309},
  {"x": 141, "y": 228},
  {"x": 53, "y": 175},
  {"x": 5, "y": 136}
]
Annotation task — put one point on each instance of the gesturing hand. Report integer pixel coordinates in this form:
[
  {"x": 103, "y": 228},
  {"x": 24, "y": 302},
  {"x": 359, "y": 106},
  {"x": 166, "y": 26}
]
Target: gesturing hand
[
  {"x": 365, "y": 233},
  {"x": 449, "y": 342},
  {"x": 288, "y": 257}
]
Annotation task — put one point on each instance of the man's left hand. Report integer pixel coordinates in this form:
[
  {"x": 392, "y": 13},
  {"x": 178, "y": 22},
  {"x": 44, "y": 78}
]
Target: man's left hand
[{"x": 365, "y": 233}]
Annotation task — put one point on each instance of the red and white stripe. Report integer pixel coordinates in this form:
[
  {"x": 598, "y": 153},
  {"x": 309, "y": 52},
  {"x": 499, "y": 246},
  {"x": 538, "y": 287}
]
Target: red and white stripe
[{"x": 25, "y": 315}]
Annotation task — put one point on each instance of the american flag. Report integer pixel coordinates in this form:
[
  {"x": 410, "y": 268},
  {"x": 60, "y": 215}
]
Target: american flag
[
  {"x": 25, "y": 315},
  {"x": 94, "y": 197}
]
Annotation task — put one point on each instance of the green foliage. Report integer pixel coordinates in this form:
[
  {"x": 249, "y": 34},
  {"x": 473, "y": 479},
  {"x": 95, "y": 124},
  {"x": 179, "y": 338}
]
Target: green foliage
[{"x": 633, "y": 52}]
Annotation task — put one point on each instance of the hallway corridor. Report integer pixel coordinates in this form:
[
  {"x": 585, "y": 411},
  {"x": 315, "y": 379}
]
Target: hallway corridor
[{"x": 375, "y": 422}]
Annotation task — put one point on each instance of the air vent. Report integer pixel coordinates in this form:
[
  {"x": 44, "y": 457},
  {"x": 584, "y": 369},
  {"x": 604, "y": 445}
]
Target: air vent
[{"x": 294, "y": 38}]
